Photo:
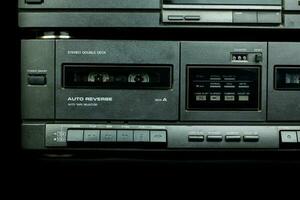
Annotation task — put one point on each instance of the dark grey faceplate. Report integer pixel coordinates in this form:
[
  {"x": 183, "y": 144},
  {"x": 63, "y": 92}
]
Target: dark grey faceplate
[
  {"x": 37, "y": 59},
  {"x": 219, "y": 54},
  {"x": 122, "y": 104},
  {"x": 283, "y": 105}
]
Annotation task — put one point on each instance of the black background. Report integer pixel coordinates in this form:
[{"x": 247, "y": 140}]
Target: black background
[{"x": 249, "y": 172}]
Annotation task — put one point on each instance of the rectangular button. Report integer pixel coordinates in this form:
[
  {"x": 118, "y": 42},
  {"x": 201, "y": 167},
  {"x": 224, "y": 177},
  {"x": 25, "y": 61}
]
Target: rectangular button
[
  {"x": 243, "y": 98},
  {"x": 36, "y": 79},
  {"x": 298, "y": 133},
  {"x": 215, "y": 98},
  {"x": 91, "y": 135},
  {"x": 269, "y": 17},
  {"x": 158, "y": 136},
  {"x": 141, "y": 136},
  {"x": 233, "y": 138},
  {"x": 214, "y": 138},
  {"x": 108, "y": 135},
  {"x": 196, "y": 138},
  {"x": 245, "y": 17},
  {"x": 75, "y": 136},
  {"x": 201, "y": 98},
  {"x": 125, "y": 136},
  {"x": 251, "y": 138},
  {"x": 175, "y": 18},
  {"x": 192, "y": 18},
  {"x": 288, "y": 136},
  {"x": 229, "y": 98},
  {"x": 34, "y": 1}
]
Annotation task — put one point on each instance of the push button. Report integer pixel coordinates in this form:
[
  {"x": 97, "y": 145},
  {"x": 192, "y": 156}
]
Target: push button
[
  {"x": 196, "y": 138},
  {"x": 175, "y": 18},
  {"x": 108, "y": 136},
  {"x": 288, "y": 136},
  {"x": 269, "y": 17},
  {"x": 245, "y": 17},
  {"x": 125, "y": 136},
  {"x": 34, "y": 1},
  {"x": 214, "y": 138},
  {"x": 251, "y": 138},
  {"x": 75, "y": 136},
  {"x": 192, "y": 18},
  {"x": 37, "y": 79},
  {"x": 91, "y": 136},
  {"x": 158, "y": 136},
  {"x": 141, "y": 136},
  {"x": 298, "y": 132},
  {"x": 233, "y": 138}
]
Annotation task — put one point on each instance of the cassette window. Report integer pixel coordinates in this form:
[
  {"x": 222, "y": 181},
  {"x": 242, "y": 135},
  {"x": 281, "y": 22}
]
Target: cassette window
[
  {"x": 117, "y": 77},
  {"x": 287, "y": 77},
  {"x": 223, "y": 88}
]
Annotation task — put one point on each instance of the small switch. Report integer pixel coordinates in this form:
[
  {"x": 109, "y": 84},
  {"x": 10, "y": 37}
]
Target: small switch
[
  {"x": 75, "y": 136},
  {"x": 141, "y": 136},
  {"x": 258, "y": 58},
  {"x": 125, "y": 136},
  {"x": 158, "y": 136},
  {"x": 288, "y": 136},
  {"x": 36, "y": 79},
  {"x": 91, "y": 135},
  {"x": 251, "y": 138},
  {"x": 196, "y": 138},
  {"x": 34, "y": 1}
]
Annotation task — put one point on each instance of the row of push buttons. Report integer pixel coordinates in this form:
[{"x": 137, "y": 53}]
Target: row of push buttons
[
  {"x": 180, "y": 18},
  {"x": 155, "y": 136},
  {"x": 219, "y": 138}
]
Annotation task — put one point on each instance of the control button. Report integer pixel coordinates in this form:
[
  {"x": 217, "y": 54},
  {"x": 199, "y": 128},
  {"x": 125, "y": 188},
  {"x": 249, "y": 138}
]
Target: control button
[
  {"x": 258, "y": 58},
  {"x": 141, "y": 136},
  {"x": 125, "y": 136},
  {"x": 108, "y": 135},
  {"x": 201, "y": 98},
  {"x": 229, "y": 98},
  {"x": 91, "y": 136},
  {"x": 196, "y": 138},
  {"x": 192, "y": 18},
  {"x": 175, "y": 18},
  {"x": 233, "y": 138},
  {"x": 229, "y": 86},
  {"x": 75, "y": 136},
  {"x": 243, "y": 98},
  {"x": 269, "y": 17},
  {"x": 214, "y": 138},
  {"x": 34, "y": 1},
  {"x": 251, "y": 138},
  {"x": 244, "y": 17},
  {"x": 215, "y": 98},
  {"x": 298, "y": 132},
  {"x": 36, "y": 79},
  {"x": 158, "y": 136},
  {"x": 288, "y": 136}
]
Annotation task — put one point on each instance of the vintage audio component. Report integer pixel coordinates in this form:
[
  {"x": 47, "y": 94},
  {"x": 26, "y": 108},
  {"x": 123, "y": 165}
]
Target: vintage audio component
[
  {"x": 134, "y": 94},
  {"x": 277, "y": 14}
]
